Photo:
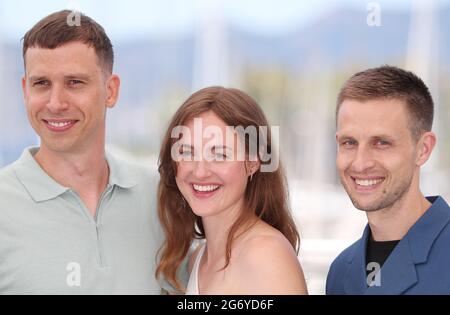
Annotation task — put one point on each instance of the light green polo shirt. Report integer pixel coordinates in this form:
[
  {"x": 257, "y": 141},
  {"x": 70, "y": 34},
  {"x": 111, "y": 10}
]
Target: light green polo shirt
[{"x": 51, "y": 244}]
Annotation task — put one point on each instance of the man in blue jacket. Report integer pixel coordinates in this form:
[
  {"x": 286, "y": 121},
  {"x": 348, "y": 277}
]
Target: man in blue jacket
[{"x": 384, "y": 119}]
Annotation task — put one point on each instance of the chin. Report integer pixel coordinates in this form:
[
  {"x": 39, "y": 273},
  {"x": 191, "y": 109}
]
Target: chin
[
  {"x": 204, "y": 211},
  {"x": 201, "y": 212},
  {"x": 366, "y": 206},
  {"x": 60, "y": 147}
]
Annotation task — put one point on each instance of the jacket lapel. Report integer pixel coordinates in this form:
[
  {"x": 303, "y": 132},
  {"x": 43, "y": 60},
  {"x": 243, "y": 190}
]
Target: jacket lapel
[
  {"x": 398, "y": 272},
  {"x": 355, "y": 279}
]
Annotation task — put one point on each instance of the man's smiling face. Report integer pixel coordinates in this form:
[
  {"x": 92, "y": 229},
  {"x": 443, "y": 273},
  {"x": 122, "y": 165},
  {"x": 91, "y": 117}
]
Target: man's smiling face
[
  {"x": 66, "y": 96},
  {"x": 376, "y": 152}
]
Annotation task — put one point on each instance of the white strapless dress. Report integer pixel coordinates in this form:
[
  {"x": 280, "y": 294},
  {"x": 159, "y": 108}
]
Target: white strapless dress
[{"x": 192, "y": 287}]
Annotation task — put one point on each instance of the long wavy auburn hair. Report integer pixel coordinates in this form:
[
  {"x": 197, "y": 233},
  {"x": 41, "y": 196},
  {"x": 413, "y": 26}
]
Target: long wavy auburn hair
[{"x": 266, "y": 195}]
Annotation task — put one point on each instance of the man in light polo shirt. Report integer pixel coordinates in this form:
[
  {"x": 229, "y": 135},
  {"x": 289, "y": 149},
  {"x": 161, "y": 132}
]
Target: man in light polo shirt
[{"x": 73, "y": 220}]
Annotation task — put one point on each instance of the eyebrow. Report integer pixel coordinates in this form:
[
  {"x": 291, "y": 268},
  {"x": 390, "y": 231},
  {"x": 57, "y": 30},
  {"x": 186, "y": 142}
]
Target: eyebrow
[
  {"x": 37, "y": 78},
  {"x": 80, "y": 76},
  {"x": 344, "y": 136},
  {"x": 390, "y": 138},
  {"x": 83, "y": 77}
]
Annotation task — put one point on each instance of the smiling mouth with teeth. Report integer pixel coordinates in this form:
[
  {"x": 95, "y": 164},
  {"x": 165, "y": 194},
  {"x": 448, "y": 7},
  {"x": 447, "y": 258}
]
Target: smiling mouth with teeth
[
  {"x": 205, "y": 188},
  {"x": 59, "y": 124},
  {"x": 367, "y": 182}
]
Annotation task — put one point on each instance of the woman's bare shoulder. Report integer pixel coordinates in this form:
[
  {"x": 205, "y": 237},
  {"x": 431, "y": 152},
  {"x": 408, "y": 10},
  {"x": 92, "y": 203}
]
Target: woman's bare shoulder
[
  {"x": 268, "y": 264},
  {"x": 264, "y": 244}
]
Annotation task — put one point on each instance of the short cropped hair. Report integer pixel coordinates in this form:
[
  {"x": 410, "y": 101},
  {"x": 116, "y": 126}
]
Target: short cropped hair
[
  {"x": 55, "y": 30},
  {"x": 393, "y": 83}
]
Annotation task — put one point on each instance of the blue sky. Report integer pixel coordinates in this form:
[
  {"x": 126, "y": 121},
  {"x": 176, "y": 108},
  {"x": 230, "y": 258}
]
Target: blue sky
[{"x": 124, "y": 19}]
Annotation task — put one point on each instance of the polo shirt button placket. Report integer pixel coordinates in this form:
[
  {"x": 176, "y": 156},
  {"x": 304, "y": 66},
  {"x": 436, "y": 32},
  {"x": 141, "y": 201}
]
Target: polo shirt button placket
[{"x": 99, "y": 227}]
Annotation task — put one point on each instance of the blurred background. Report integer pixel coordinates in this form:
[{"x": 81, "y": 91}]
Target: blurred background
[{"x": 292, "y": 56}]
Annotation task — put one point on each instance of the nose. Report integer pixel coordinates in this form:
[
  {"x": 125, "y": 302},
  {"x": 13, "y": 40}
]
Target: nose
[
  {"x": 57, "y": 102},
  {"x": 202, "y": 169},
  {"x": 363, "y": 160}
]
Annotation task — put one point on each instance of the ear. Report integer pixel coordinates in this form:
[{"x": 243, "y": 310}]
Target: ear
[
  {"x": 425, "y": 146},
  {"x": 113, "y": 87},
  {"x": 24, "y": 87},
  {"x": 252, "y": 167}
]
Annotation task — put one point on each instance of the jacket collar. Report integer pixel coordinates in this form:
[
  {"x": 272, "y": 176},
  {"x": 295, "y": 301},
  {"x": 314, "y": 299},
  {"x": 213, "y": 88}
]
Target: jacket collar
[{"x": 399, "y": 271}]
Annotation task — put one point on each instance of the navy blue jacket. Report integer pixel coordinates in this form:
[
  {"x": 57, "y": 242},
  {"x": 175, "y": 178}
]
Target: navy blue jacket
[{"x": 419, "y": 264}]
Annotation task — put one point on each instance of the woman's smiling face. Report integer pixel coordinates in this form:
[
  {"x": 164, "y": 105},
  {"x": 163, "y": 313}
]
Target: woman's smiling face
[{"x": 211, "y": 177}]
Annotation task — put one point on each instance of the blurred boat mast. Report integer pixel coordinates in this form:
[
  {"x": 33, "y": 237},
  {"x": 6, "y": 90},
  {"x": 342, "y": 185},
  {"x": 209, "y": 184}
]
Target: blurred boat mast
[
  {"x": 423, "y": 59},
  {"x": 2, "y": 95},
  {"x": 211, "y": 57}
]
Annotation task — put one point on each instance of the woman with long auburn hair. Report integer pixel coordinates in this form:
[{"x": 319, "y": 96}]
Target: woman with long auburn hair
[{"x": 218, "y": 185}]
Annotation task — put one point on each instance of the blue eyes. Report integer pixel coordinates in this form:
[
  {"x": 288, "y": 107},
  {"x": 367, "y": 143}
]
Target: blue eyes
[
  {"x": 186, "y": 153},
  {"x": 40, "y": 83},
  {"x": 75, "y": 82},
  {"x": 353, "y": 143},
  {"x": 383, "y": 143},
  {"x": 349, "y": 143},
  {"x": 45, "y": 83},
  {"x": 213, "y": 156}
]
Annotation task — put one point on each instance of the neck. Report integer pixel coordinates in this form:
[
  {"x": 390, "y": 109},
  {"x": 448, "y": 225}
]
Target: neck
[
  {"x": 85, "y": 172},
  {"x": 392, "y": 223},
  {"x": 217, "y": 229}
]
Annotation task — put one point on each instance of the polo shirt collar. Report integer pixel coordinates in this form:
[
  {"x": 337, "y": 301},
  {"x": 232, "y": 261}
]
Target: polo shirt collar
[
  {"x": 119, "y": 174},
  {"x": 42, "y": 187},
  {"x": 36, "y": 181}
]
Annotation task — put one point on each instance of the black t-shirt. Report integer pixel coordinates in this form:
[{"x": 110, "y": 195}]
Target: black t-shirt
[{"x": 378, "y": 252}]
